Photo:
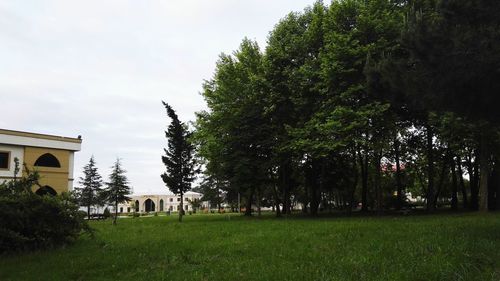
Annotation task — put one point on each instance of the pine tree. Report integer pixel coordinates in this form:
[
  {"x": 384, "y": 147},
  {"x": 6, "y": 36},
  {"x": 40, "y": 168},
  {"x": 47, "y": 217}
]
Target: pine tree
[
  {"x": 88, "y": 195},
  {"x": 178, "y": 158},
  {"x": 117, "y": 189}
]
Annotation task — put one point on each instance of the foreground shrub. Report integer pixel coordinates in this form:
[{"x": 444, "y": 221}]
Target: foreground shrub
[
  {"x": 106, "y": 213},
  {"x": 29, "y": 221}
]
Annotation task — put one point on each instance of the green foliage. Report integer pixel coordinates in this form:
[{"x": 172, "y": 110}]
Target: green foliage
[
  {"x": 211, "y": 247},
  {"x": 117, "y": 189},
  {"x": 29, "y": 221},
  {"x": 345, "y": 90},
  {"x": 106, "y": 213},
  {"x": 233, "y": 137},
  {"x": 178, "y": 158},
  {"x": 90, "y": 194}
]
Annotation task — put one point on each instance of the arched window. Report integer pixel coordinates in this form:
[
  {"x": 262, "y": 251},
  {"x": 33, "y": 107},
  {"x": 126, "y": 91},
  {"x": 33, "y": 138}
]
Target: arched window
[
  {"x": 161, "y": 205},
  {"x": 46, "y": 190},
  {"x": 47, "y": 160},
  {"x": 137, "y": 205}
]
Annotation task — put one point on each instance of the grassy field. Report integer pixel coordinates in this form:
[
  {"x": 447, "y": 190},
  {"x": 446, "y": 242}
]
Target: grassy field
[{"x": 223, "y": 247}]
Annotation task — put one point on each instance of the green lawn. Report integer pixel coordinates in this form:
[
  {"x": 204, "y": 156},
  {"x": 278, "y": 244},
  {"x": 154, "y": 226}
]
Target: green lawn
[{"x": 219, "y": 247}]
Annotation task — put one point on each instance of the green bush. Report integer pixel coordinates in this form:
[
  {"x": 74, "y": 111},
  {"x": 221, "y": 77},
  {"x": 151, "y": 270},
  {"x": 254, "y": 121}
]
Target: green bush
[
  {"x": 29, "y": 221},
  {"x": 33, "y": 222},
  {"x": 106, "y": 213}
]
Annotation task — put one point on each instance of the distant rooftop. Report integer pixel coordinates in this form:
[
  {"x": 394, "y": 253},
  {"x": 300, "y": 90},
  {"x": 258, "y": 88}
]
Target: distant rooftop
[
  {"x": 166, "y": 193},
  {"x": 11, "y": 137}
]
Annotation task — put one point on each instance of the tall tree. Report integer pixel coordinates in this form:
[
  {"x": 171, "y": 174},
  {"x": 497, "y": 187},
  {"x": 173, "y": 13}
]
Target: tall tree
[
  {"x": 89, "y": 194},
  {"x": 233, "y": 135},
  {"x": 117, "y": 189},
  {"x": 345, "y": 91},
  {"x": 178, "y": 158},
  {"x": 449, "y": 62}
]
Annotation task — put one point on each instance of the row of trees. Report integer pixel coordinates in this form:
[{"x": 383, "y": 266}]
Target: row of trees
[
  {"x": 178, "y": 177},
  {"x": 91, "y": 193},
  {"x": 359, "y": 102}
]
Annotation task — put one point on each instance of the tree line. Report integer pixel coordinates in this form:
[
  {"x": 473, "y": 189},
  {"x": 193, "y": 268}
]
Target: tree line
[
  {"x": 358, "y": 103},
  {"x": 91, "y": 192}
]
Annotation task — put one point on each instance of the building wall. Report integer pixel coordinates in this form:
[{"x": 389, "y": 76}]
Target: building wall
[
  {"x": 28, "y": 147},
  {"x": 56, "y": 178},
  {"x": 71, "y": 167},
  {"x": 39, "y": 140},
  {"x": 15, "y": 151}
]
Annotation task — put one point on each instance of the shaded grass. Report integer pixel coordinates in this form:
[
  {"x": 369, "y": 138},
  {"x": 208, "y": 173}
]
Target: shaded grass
[{"x": 222, "y": 247}]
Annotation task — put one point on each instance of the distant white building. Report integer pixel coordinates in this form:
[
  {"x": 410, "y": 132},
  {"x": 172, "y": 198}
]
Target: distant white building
[{"x": 160, "y": 203}]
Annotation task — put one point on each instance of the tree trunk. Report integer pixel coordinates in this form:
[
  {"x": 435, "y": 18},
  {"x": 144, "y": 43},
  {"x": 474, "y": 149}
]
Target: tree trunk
[
  {"x": 497, "y": 197},
  {"x": 276, "y": 201},
  {"x": 354, "y": 184},
  {"x": 286, "y": 182},
  {"x": 363, "y": 163},
  {"x": 248, "y": 208},
  {"x": 322, "y": 182},
  {"x": 473, "y": 170},
  {"x": 258, "y": 202},
  {"x": 116, "y": 212},
  {"x": 430, "y": 169},
  {"x": 494, "y": 187},
  {"x": 462, "y": 184},
  {"x": 485, "y": 173},
  {"x": 454, "y": 185},
  {"x": 181, "y": 212},
  {"x": 314, "y": 199},
  {"x": 378, "y": 181},
  {"x": 399, "y": 186},
  {"x": 442, "y": 175},
  {"x": 314, "y": 184},
  {"x": 311, "y": 178},
  {"x": 306, "y": 200}
]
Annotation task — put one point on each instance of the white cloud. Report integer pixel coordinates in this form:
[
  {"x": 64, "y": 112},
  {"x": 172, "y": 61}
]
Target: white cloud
[{"x": 101, "y": 68}]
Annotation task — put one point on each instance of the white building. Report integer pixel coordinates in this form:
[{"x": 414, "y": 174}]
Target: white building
[{"x": 160, "y": 203}]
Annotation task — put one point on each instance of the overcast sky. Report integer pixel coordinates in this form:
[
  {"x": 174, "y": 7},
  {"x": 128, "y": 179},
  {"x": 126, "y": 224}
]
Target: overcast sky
[{"x": 101, "y": 68}]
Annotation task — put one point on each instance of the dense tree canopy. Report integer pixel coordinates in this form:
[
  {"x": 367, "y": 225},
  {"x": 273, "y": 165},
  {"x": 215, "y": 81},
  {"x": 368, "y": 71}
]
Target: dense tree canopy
[{"x": 358, "y": 104}]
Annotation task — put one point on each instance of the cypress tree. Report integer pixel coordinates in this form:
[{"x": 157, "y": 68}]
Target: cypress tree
[{"x": 178, "y": 158}]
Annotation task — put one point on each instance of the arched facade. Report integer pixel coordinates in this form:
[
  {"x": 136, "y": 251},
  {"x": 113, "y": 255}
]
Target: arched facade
[{"x": 163, "y": 203}]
